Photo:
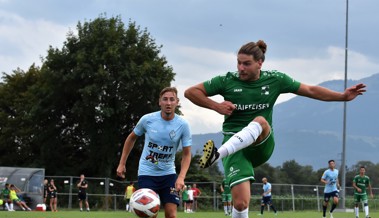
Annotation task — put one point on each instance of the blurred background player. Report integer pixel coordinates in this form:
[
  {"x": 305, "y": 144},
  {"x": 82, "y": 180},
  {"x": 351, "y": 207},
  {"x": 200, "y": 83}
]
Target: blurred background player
[
  {"x": 360, "y": 183},
  {"x": 14, "y": 198},
  {"x": 82, "y": 192},
  {"x": 190, "y": 199},
  {"x": 226, "y": 198},
  {"x": 196, "y": 194},
  {"x": 45, "y": 190},
  {"x": 184, "y": 194},
  {"x": 6, "y": 199},
  {"x": 330, "y": 179},
  {"x": 53, "y": 195},
  {"x": 266, "y": 196},
  {"x": 129, "y": 190}
]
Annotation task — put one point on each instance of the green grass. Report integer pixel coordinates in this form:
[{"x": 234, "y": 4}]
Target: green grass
[{"x": 121, "y": 214}]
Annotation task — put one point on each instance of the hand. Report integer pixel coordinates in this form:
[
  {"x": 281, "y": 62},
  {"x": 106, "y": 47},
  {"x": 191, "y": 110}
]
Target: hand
[
  {"x": 352, "y": 92},
  {"x": 225, "y": 108},
  {"x": 121, "y": 170},
  {"x": 179, "y": 184},
  {"x": 359, "y": 190}
]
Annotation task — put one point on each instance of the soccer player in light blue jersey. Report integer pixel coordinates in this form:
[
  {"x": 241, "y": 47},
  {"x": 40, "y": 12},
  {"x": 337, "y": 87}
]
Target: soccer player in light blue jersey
[
  {"x": 164, "y": 131},
  {"x": 266, "y": 196},
  {"x": 330, "y": 179}
]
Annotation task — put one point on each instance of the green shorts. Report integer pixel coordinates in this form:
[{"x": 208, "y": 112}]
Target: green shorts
[
  {"x": 360, "y": 197},
  {"x": 226, "y": 197},
  {"x": 239, "y": 167}
]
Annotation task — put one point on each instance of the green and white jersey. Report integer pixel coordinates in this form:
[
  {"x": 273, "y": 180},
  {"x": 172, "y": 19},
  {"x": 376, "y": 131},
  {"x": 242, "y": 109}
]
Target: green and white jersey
[
  {"x": 5, "y": 193},
  {"x": 251, "y": 98},
  {"x": 362, "y": 183},
  {"x": 185, "y": 195}
]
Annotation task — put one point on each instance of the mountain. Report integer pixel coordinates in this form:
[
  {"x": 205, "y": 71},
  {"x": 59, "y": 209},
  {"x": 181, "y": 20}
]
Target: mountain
[{"x": 311, "y": 131}]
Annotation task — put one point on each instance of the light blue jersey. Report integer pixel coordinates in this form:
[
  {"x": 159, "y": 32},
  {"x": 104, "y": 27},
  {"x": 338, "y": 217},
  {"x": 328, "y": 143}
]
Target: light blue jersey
[
  {"x": 331, "y": 176},
  {"x": 266, "y": 187},
  {"x": 162, "y": 139}
]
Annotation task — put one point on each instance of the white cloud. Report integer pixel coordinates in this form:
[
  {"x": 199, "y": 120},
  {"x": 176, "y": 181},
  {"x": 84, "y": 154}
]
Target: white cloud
[
  {"x": 327, "y": 66},
  {"x": 26, "y": 41}
]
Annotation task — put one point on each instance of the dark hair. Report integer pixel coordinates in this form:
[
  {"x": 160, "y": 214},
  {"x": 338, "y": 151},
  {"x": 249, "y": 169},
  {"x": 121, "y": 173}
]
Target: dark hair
[
  {"x": 362, "y": 167},
  {"x": 256, "y": 49},
  {"x": 331, "y": 161}
]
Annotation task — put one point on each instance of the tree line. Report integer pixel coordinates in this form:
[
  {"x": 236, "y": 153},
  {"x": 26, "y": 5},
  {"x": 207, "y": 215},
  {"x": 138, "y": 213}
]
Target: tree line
[{"x": 291, "y": 172}]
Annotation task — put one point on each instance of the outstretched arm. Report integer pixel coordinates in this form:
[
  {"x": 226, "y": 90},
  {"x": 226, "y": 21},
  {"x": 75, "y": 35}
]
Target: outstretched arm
[
  {"x": 128, "y": 145},
  {"x": 324, "y": 94},
  {"x": 197, "y": 95}
]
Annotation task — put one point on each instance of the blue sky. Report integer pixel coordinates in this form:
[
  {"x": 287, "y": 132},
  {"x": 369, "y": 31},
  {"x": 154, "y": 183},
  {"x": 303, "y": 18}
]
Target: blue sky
[{"x": 306, "y": 39}]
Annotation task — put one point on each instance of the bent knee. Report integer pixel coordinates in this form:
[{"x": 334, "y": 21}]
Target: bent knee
[
  {"x": 240, "y": 206},
  {"x": 263, "y": 122}
]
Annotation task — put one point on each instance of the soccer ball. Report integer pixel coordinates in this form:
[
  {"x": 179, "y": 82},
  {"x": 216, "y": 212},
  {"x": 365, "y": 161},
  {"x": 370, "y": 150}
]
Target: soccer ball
[{"x": 145, "y": 203}]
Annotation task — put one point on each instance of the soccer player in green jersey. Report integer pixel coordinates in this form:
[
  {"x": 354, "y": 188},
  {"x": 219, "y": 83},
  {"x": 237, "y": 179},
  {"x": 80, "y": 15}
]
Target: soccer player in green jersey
[
  {"x": 360, "y": 183},
  {"x": 6, "y": 198},
  {"x": 226, "y": 198},
  {"x": 249, "y": 98}
]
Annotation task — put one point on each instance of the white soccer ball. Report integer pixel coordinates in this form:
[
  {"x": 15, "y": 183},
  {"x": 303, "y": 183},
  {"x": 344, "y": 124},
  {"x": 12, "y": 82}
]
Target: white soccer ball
[{"x": 145, "y": 203}]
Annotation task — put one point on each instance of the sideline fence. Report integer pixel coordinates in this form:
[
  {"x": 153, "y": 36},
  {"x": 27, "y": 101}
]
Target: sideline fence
[{"x": 108, "y": 194}]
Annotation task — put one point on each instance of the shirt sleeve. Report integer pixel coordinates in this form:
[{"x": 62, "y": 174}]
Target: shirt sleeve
[
  {"x": 323, "y": 175},
  {"x": 215, "y": 85},
  {"x": 139, "y": 130},
  {"x": 187, "y": 136},
  {"x": 288, "y": 84}
]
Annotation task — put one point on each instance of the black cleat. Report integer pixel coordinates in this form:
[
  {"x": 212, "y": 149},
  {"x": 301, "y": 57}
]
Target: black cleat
[{"x": 210, "y": 155}]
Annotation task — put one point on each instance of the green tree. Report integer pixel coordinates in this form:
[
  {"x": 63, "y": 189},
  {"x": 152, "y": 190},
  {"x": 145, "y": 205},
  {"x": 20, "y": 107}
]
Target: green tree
[
  {"x": 90, "y": 94},
  {"x": 16, "y": 125},
  {"x": 293, "y": 173},
  {"x": 266, "y": 170}
]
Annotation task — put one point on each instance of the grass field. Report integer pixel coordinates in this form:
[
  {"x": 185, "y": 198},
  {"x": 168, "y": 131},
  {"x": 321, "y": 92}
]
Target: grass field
[{"x": 96, "y": 214}]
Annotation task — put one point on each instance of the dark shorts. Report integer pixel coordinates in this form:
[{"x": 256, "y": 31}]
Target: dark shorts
[
  {"x": 266, "y": 200},
  {"x": 329, "y": 195},
  {"x": 82, "y": 196},
  {"x": 162, "y": 185},
  {"x": 53, "y": 194}
]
